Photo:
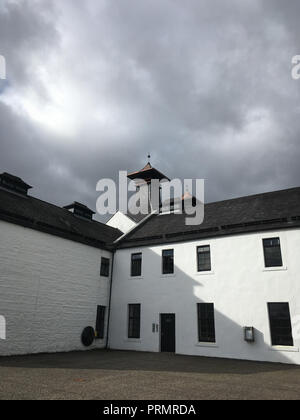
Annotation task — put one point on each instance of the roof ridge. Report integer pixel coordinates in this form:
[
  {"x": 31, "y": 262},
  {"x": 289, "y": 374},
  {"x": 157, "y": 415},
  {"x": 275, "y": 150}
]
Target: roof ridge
[{"x": 254, "y": 195}]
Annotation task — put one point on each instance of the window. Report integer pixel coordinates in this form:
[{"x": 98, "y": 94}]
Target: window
[
  {"x": 280, "y": 324},
  {"x": 134, "y": 321},
  {"x": 104, "y": 267},
  {"x": 206, "y": 323},
  {"x": 100, "y": 321},
  {"x": 204, "y": 260},
  {"x": 272, "y": 251},
  {"x": 168, "y": 261},
  {"x": 136, "y": 265}
]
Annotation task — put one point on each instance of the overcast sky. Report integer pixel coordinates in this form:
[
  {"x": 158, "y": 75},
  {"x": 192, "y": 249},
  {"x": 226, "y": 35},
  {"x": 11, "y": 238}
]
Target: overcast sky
[{"x": 204, "y": 85}]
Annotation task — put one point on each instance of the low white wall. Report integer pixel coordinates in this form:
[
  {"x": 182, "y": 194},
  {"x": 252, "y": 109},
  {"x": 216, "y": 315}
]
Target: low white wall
[
  {"x": 49, "y": 291},
  {"x": 239, "y": 286}
]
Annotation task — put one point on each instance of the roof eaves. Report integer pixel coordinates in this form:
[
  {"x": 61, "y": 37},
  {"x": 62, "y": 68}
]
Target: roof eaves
[{"x": 164, "y": 239}]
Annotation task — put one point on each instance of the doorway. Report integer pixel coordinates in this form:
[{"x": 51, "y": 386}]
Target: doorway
[{"x": 167, "y": 333}]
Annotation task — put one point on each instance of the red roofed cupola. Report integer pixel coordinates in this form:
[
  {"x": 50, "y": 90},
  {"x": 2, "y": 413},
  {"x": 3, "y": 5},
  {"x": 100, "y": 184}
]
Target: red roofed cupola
[
  {"x": 143, "y": 180},
  {"x": 147, "y": 174}
]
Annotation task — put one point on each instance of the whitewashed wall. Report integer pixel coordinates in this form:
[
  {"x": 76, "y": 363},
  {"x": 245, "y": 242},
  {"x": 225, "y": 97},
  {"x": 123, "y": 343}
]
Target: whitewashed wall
[
  {"x": 49, "y": 291},
  {"x": 239, "y": 286},
  {"x": 122, "y": 222}
]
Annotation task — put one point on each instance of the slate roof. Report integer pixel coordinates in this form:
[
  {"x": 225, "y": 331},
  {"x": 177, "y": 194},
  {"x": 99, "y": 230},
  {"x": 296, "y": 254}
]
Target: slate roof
[
  {"x": 137, "y": 218},
  {"x": 40, "y": 215},
  {"x": 274, "y": 210}
]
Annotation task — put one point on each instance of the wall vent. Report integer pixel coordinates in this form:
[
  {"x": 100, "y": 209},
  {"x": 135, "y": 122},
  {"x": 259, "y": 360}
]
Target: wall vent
[
  {"x": 80, "y": 210},
  {"x": 14, "y": 184}
]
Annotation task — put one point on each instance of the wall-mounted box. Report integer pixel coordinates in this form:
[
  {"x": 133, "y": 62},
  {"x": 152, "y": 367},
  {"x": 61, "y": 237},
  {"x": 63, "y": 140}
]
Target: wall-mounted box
[{"x": 249, "y": 334}]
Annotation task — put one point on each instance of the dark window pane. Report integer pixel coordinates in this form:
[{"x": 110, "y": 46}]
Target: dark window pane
[
  {"x": 136, "y": 265},
  {"x": 204, "y": 259},
  {"x": 280, "y": 324},
  {"x": 134, "y": 321},
  {"x": 272, "y": 251},
  {"x": 206, "y": 323},
  {"x": 100, "y": 321},
  {"x": 168, "y": 261},
  {"x": 104, "y": 267}
]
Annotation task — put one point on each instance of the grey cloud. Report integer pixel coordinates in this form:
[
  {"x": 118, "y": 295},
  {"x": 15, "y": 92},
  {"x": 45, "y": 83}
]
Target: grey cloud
[{"x": 204, "y": 86}]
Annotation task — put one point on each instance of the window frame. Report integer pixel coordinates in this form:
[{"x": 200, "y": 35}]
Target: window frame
[
  {"x": 131, "y": 264},
  {"x": 134, "y": 331},
  {"x": 105, "y": 268},
  {"x": 266, "y": 263},
  {"x": 211, "y": 338},
  {"x": 274, "y": 333},
  {"x": 210, "y": 261},
  {"x": 166, "y": 273}
]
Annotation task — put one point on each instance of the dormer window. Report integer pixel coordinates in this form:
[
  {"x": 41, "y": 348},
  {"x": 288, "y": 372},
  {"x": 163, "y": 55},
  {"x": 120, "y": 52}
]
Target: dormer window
[
  {"x": 14, "y": 184},
  {"x": 80, "y": 210}
]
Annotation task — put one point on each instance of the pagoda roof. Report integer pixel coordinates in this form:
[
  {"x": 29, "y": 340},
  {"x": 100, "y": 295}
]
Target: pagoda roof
[{"x": 147, "y": 173}]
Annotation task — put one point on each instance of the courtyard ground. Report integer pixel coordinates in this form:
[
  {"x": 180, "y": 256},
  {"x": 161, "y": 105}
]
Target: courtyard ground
[{"x": 113, "y": 375}]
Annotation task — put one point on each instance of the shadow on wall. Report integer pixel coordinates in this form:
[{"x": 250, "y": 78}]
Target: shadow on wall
[{"x": 180, "y": 295}]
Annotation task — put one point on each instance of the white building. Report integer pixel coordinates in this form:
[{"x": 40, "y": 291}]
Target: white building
[
  {"x": 185, "y": 289},
  {"x": 51, "y": 286}
]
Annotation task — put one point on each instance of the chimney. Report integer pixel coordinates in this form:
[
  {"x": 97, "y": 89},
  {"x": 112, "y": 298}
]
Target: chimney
[
  {"x": 13, "y": 183},
  {"x": 80, "y": 210}
]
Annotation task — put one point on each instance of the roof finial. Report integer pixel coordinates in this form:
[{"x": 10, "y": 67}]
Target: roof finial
[{"x": 149, "y": 157}]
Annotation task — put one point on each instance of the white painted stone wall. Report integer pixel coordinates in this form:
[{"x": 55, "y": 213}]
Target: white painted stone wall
[
  {"x": 122, "y": 222},
  {"x": 49, "y": 291},
  {"x": 239, "y": 286}
]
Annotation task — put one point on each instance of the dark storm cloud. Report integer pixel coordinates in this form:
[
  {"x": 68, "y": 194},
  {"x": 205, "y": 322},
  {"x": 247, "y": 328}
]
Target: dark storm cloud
[{"x": 205, "y": 86}]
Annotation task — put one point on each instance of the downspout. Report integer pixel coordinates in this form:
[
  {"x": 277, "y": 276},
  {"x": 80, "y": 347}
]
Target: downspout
[{"x": 109, "y": 304}]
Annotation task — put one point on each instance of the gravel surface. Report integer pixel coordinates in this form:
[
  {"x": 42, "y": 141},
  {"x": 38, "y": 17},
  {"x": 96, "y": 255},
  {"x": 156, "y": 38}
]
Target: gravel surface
[{"x": 113, "y": 375}]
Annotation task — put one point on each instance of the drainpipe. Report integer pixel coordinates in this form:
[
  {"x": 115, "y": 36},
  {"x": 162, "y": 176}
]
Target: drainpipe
[{"x": 109, "y": 304}]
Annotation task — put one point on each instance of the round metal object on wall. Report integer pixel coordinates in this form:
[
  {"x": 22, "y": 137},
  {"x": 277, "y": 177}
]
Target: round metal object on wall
[{"x": 88, "y": 336}]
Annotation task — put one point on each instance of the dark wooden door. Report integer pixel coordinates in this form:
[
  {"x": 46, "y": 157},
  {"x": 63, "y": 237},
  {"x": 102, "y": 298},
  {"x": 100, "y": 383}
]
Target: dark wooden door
[{"x": 167, "y": 333}]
